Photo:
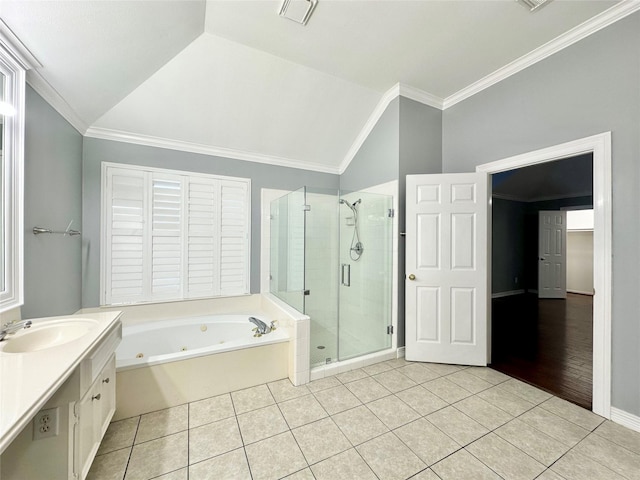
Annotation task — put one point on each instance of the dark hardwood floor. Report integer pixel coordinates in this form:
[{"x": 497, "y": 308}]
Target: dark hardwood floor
[{"x": 547, "y": 343}]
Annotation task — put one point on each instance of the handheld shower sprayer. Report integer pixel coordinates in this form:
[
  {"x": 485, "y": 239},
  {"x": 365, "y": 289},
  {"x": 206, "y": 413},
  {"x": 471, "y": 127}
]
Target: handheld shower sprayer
[{"x": 356, "y": 249}]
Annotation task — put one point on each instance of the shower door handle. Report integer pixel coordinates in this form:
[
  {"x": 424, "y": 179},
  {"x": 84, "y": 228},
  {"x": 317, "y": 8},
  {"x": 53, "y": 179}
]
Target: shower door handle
[{"x": 346, "y": 275}]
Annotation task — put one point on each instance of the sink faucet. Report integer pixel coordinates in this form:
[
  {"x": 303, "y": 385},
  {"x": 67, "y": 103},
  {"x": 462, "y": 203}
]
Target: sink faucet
[
  {"x": 12, "y": 327},
  {"x": 261, "y": 327}
]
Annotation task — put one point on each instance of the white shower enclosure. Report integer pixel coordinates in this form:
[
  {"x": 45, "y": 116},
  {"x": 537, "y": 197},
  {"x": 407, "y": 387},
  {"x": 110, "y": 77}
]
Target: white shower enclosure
[{"x": 331, "y": 258}]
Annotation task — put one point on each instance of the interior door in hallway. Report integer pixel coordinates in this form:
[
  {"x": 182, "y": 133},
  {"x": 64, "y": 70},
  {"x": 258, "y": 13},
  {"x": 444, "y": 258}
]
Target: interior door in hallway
[
  {"x": 552, "y": 254},
  {"x": 446, "y": 268}
]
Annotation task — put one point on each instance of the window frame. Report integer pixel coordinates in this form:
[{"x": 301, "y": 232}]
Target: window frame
[{"x": 13, "y": 65}]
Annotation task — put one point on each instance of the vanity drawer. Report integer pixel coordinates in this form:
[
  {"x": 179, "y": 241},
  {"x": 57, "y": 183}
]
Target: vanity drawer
[{"x": 98, "y": 358}]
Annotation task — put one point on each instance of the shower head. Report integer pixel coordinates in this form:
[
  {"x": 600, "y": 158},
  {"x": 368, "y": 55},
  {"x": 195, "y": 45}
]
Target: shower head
[{"x": 351, "y": 205}]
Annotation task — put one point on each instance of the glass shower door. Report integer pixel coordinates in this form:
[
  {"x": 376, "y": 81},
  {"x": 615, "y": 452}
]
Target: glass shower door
[
  {"x": 366, "y": 250},
  {"x": 321, "y": 279},
  {"x": 287, "y": 248}
]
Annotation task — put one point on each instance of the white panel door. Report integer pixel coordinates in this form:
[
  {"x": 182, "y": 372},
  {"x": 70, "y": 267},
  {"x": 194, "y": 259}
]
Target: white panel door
[
  {"x": 552, "y": 254},
  {"x": 446, "y": 268}
]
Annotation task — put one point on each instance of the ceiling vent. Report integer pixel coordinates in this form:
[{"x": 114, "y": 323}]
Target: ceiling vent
[
  {"x": 298, "y": 10},
  {"x": 533, "y": 5}
]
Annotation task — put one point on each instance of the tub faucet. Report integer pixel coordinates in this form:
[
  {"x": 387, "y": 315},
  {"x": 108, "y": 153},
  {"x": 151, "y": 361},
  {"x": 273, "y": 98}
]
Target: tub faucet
[
  {"x": 261, "y": 327},
  {"x": 12, "y": 327}
]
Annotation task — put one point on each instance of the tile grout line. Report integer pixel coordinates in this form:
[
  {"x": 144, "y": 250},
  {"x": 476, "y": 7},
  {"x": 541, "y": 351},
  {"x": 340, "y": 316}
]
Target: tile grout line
[
  {"x": 244, "y": 449},
  {"x": 588, "y": 431},
  {"x": 126, "y": 468},
  {"x": 188, "y": 439}
]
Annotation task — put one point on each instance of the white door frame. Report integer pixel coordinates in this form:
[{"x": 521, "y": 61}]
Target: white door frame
[{"x": 600, "y": 146}]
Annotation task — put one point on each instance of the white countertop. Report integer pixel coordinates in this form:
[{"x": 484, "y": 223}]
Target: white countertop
[{"x": 29, "y": 380}]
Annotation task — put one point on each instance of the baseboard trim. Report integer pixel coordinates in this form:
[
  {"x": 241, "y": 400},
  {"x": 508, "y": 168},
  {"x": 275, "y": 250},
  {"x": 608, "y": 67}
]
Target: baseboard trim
[
  {"x": 625, "y": 419},
  {"x": 507, "y": 294},
  {"x": 580, "y": 292}
]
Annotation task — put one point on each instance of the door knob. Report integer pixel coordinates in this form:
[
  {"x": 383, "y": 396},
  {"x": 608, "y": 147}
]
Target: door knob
[{"x": 412, "y": 277}]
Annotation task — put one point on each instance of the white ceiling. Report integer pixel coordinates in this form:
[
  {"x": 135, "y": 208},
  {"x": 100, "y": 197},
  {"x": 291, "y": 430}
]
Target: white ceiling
[
  {"x": 436, "y": 46},
  {"x": 233, "y": 78},
  {"x": 94, "y": 53}
]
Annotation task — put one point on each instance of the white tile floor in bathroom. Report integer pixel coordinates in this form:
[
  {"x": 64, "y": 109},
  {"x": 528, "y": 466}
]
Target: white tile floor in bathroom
[{"x": 391, "y": 420}]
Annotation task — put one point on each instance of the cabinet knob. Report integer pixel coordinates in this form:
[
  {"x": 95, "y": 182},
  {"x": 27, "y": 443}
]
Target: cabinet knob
[
  {"x": 106, "y": 380},
  {"x": 412, "y": 277},
  {"x": 96, "y": 397}
]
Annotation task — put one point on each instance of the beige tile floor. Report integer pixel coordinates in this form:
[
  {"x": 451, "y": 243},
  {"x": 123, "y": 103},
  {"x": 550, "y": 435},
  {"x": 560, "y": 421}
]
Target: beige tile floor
[{"x": 392, "y": 420}]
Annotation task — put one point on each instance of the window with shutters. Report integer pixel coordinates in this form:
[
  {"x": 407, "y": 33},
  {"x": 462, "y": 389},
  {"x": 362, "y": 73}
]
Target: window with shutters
[{"x": 169, "y": 235}]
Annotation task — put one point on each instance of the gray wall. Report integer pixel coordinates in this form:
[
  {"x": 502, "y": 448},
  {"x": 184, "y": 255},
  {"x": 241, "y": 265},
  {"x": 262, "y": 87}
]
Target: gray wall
[
  {"x": 507, "y": 245},
  {"x": 420, "y": 152},
  {"x": 261, "y": 175},
  {"x": 377, "y": 159},
  {"x": 588, "y": 88},
  {"x": 52, "y": 198}
]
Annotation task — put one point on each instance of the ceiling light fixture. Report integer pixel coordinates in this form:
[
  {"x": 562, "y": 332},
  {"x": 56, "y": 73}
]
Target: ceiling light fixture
[
  {"x": 533, "y": 5},
  {"x": 298, "y": 10}
]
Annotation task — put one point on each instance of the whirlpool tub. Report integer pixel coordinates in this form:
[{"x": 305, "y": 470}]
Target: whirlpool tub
[{"x": 171, "y": 362}]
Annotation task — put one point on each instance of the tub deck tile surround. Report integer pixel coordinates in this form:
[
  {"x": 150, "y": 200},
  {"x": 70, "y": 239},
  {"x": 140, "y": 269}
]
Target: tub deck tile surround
[{"x": 508, "y": 430}]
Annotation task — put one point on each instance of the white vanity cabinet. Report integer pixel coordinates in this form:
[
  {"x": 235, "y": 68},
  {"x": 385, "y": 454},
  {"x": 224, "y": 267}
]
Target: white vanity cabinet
[
  {"x": 93, "y": 413},
  {"x": 84, "y": 405}
]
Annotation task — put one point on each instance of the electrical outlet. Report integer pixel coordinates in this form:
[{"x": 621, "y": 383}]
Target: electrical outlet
[{"x": 45, "y": 424}]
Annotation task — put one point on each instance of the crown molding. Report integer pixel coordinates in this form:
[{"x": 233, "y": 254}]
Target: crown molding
[
  {"x": 150, "y": 141},
  {"x": 382, "y": 105},
  {"x": 16, "y": 48},
  {"x": 600, "y": 21},
  {"x": 421, "y": 96},
  {"x": 399, "y": 89},
  {"x": 53, "y": 98}
]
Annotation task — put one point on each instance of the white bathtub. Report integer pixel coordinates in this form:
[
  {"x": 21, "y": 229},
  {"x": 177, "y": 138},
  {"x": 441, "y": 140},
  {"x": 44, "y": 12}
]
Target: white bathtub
[
  {"x": 154, "y": 343},
  {"x": 165, "y": 363}
]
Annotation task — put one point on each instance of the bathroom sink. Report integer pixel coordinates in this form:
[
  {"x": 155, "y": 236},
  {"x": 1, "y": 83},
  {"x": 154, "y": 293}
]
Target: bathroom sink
[{"x": 47, "y": 335}]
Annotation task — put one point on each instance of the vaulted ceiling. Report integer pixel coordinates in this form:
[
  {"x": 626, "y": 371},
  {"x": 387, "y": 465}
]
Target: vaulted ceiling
[{"x": 234, "y": 78}]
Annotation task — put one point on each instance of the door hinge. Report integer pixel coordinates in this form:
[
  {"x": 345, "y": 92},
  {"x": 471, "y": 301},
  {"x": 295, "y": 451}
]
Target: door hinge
[
  {"x": 306, "y": 292},
  {"x": 392, "y": 213},
  {"x": 306, "y": 208},
  {"x": 389, "y": 329}
]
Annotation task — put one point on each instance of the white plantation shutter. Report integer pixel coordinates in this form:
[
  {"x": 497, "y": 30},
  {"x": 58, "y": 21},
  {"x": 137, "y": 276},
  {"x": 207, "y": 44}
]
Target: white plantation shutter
[
  {"x": 173, "y": 235},
  {"x": 125, "y": 279},
  {"x": 234, "y": 229},
  {"x": 202, "y": 237},
  {"x": 167, "y": 214}
]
